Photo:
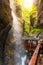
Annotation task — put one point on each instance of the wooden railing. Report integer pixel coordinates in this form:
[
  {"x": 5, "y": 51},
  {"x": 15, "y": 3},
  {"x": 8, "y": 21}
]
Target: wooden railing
[{"x": 35, "y": 54}]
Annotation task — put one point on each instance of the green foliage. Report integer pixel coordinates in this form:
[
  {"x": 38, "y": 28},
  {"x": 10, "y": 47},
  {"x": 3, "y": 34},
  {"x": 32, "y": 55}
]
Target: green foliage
[
  {"x": 26, "y": 16},
  {"x": 35, "y": 31},
  {"x": 27, "y": 28},
  {"x": 30, "y": 12},
  {"x": 26, "y": 13}
]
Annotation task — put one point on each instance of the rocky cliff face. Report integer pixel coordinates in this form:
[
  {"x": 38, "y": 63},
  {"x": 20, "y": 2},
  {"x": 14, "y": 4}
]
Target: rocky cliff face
[
  {"x": 5, "y": 19},
  {"x": 40, "y": 15},
  {"x": 5, "y": 13}
]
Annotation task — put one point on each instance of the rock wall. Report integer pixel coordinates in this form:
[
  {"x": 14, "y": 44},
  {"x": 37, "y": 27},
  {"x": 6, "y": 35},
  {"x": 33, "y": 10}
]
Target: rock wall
[
  {"x": 40, "y": 15},
  {"x": 5, "y": 13}
]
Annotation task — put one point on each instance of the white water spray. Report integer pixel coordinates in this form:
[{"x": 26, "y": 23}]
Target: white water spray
[{"x": 23, "y": 60}]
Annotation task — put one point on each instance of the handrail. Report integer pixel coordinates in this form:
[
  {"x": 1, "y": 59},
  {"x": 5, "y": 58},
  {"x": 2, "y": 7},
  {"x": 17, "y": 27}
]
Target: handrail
[{"x": 34, "y": 57}]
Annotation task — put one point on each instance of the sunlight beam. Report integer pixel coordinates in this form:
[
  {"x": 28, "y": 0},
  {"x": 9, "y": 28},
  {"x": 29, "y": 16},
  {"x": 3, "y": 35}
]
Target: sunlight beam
[{"x": 27, "y": 3}]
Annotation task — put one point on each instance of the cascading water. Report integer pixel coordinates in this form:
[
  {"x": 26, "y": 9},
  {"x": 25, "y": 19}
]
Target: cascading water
[
  {"x": 16, "y": 25},
  {"x": 17, "y": 33}
]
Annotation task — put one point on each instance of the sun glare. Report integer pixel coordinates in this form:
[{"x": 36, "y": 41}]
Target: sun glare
[{"x": 27, "y": 3}]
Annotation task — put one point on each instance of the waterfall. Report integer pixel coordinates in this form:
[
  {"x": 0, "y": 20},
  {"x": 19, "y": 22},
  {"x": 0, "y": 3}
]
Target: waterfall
[
  {"x": 16, "y": 24},
  {"x": 17, "y": 33}
]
